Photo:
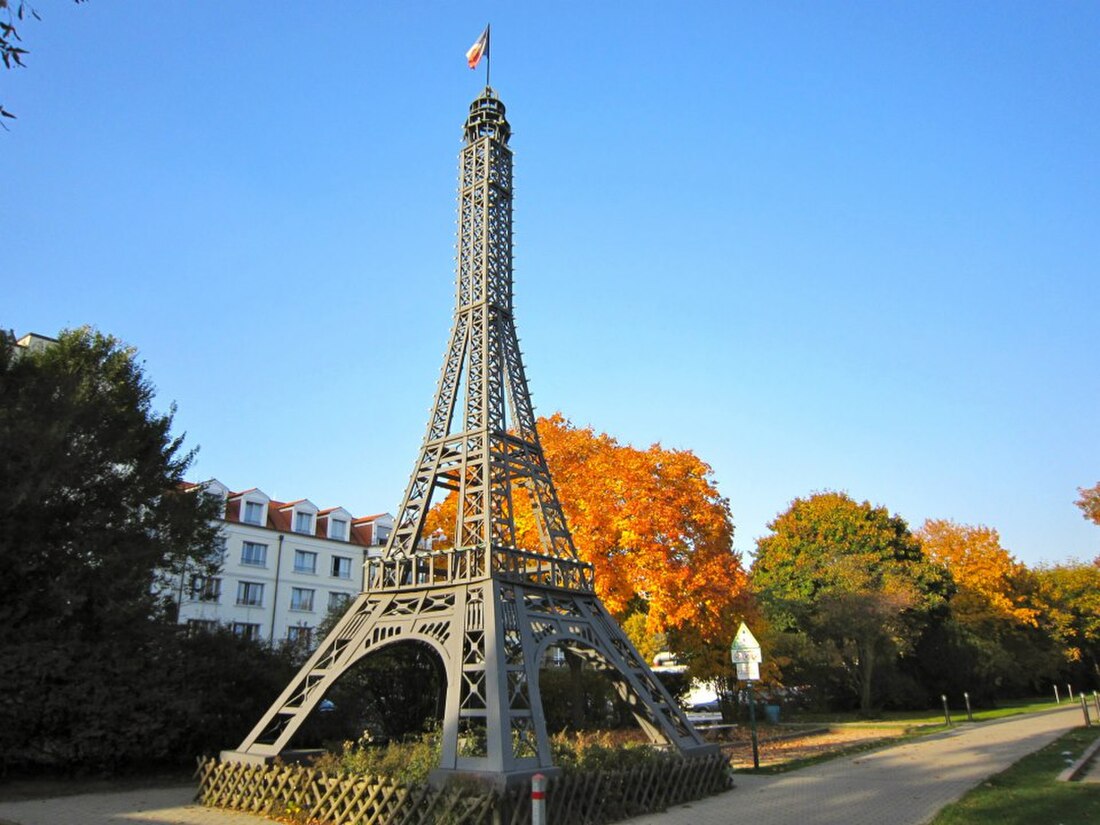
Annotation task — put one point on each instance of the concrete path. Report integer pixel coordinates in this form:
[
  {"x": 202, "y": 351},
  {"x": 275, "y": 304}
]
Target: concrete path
[{"x": 903, "y": 785}]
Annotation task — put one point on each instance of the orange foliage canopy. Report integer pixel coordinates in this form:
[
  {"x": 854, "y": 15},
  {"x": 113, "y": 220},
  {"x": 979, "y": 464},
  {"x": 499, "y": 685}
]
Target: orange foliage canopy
[
  {"x": 992, "y": 584},
  {"x": 651, "y": 522},
  {"x": 1090, "y": 502}
]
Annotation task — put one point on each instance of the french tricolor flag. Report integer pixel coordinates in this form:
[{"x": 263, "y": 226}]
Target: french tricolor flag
[{"x": 478, "y": 50}]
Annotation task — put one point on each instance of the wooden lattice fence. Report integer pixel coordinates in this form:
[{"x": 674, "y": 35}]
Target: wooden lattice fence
[
  {"x": 311, "y": 795},
  {"x": 597, "y": 797},
  {"x": 591, "y": 798}
]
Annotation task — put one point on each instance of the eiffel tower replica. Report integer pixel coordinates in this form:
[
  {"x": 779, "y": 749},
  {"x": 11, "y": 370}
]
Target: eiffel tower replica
[{"x": 486, "y": 607}]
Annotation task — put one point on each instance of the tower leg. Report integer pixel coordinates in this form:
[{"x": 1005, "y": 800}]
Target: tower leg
[{"x": 373, "y": 622}]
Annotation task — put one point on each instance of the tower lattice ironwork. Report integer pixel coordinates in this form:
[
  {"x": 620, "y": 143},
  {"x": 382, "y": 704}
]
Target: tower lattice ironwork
[{"x": 488, "y": 608}]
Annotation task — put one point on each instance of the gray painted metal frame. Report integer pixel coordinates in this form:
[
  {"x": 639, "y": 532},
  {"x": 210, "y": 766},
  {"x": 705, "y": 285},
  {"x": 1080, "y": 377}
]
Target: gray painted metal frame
[{"x": 488, "y": 609}]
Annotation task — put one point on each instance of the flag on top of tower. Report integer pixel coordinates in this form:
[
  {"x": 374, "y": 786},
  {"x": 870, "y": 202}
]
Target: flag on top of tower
[{"x": 478, "y": 50}]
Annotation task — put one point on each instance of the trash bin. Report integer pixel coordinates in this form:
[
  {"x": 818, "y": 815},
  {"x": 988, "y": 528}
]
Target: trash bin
[{"x": 771, "y": 713}]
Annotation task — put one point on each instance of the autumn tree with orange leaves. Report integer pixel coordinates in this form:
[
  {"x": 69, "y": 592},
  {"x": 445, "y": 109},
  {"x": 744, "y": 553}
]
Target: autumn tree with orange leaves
[{"x": 652, "y": 524}]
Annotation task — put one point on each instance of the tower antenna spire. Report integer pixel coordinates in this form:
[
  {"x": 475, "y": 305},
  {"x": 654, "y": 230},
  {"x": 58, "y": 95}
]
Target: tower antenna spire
[{"x": 488, "y": 51}]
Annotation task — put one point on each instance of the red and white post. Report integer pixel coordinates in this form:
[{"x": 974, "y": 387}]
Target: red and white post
[{"x": 538, "y": 799}]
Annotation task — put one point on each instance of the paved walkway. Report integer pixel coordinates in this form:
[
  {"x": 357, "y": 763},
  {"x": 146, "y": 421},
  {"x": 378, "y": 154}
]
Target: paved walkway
[{"x": 902, "y": 785}]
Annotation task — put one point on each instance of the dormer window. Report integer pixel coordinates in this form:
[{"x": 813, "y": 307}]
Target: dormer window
[
  {"x": 338, "y": 529},
  {"x": 214, "y": 491},
  {"x": 335, "y": 523},
  {"x": 303, "y": 523},
  {"x": 253, "y": 512}
]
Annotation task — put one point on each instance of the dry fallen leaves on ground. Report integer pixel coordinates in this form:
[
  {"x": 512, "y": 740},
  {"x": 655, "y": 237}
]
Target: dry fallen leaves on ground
[{"x": 778, "y": 747}]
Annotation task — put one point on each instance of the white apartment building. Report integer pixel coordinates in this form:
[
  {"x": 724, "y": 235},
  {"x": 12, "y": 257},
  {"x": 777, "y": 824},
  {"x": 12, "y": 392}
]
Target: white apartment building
[
  {"x": 33, "y": 342},
  {"x": 285, "y": 565}
]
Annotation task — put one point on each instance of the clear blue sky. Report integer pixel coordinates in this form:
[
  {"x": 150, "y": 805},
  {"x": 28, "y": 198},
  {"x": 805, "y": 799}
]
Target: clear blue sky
[{"x": 823, "y": 245}]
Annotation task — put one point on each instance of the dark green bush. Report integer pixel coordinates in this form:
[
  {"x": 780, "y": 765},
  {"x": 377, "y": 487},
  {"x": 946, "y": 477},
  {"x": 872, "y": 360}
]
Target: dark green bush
[
  {"x": 410, "y": 762},
  {"x": 159, "y": 697},
  {"x": 602, "y": 751}
]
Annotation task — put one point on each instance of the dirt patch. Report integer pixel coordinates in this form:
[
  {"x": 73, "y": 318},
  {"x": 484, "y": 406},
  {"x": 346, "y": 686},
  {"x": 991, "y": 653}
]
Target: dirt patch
[{"x": 779, "y": 746}]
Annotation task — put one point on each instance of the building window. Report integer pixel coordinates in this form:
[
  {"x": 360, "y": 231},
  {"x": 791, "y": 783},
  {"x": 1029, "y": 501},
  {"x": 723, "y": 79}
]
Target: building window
[
  {"x": 301, "y": 598},
  {"x": 253, "y": 512},
  {"x": 206, "y": 589},
  {"x": 341, "y": 567},
  {"x": 338, "y": 529},
  {"x": 299, "y": 635},
  {"x": 338, "y": 601},
  {"x": 303, "y": 523},
  {"x": 305, "y": 562},
  {"x": 254, "y": 554},
  {"x": 246, "y": 630},
  {"x": 201, "y": 625},
  {"x": 250, "y": 594}
]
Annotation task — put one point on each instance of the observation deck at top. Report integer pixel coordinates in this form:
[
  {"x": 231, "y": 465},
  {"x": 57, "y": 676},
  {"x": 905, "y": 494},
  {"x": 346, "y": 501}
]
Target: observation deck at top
[{"x": 487, "y": 119}]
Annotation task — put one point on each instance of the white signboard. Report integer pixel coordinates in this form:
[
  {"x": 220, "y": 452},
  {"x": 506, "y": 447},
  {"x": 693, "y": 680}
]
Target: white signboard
[
  {"x": 747, "y": 671},
  {"x": 745, "y": 653}
]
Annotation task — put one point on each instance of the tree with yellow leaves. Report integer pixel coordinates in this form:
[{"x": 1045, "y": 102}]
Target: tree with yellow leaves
[
  {"x": 990, "y": 643},
  {"x": 1068, "y": 598},
  {"x": 992, "y": 585}
]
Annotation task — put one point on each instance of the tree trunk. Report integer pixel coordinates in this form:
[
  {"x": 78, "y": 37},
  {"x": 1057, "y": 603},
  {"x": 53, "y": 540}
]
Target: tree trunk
[
  {"x": 867, "y": 669},
  {"x": 576, "y": 689}
]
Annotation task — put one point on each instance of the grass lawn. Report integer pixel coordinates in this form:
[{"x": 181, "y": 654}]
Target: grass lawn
[
  {"x": 1029, "y": 793},
  {"x": 917, "y": 719}
]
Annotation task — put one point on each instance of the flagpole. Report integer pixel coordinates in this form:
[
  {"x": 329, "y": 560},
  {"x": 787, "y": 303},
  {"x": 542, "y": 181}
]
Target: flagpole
[{"x": 488, "y": 51}]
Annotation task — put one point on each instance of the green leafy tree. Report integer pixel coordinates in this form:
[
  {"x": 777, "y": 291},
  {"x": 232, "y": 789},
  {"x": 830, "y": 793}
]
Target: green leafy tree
[
  {"x": 12, "y": 15},
  {"x": 849, "y": 586},
  {"x": 91, "y": 520},
  {"x": 93, "y": 526}
]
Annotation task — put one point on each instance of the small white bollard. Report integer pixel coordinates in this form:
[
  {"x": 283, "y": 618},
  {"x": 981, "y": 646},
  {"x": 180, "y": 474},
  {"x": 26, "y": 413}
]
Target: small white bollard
[
  {"x": 538, "y": 799},
  {"x": 1070, "y": 689}
]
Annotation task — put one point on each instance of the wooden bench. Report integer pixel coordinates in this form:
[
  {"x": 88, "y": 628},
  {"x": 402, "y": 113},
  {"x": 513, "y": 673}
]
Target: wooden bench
[{"x": 714, "y": 731}]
